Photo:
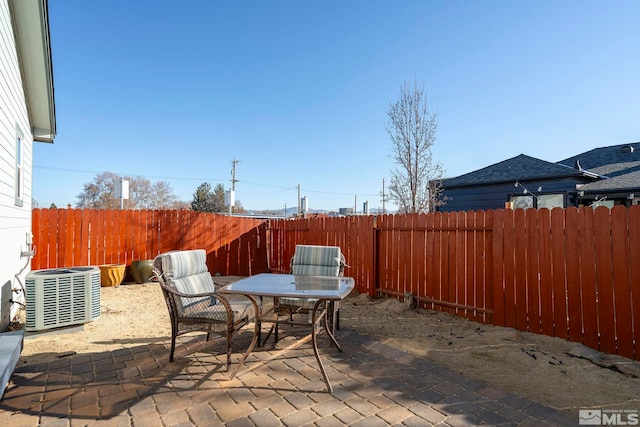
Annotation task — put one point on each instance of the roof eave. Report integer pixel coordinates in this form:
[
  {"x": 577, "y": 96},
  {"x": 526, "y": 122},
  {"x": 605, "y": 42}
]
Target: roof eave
[
  {"x": 31, "y": 27},
  {"x": 609, "y": 190},
  {"x": 582, "y": 173}
]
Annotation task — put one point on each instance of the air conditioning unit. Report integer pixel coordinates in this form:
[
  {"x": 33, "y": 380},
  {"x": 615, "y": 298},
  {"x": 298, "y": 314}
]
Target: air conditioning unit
[{"x": 61, "y": 297}]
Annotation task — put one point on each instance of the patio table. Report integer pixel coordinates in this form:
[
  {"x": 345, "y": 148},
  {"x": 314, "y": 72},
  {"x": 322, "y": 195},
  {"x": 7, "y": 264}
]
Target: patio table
[{"x": 323, "y": 289}]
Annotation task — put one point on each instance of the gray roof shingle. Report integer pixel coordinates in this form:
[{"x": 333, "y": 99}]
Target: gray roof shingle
[
  {"x": 605, "y": 156},
  {"x": 521, "y": 167},
  {"x": 625, "y": 182},
  {"x": 619, "y": 165}
]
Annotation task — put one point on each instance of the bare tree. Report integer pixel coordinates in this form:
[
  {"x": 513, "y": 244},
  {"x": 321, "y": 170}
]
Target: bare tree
[
  {"x": 416, "y": 180},
  {"x": 100, "y": 194},
  {"x": 238, "y": 208},
  {"x": 140, "y": 193},
  {"x": 163, "y": 196}
]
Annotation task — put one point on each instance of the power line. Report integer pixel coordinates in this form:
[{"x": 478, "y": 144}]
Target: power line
[
  {"x": 128, "y": 174},
  {"x": 200, "y": 179}
]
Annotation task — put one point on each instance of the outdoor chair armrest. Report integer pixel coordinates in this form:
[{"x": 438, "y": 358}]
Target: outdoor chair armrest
[
  {"x": 224, "y": 299},
  {"x": 182, "y": 294}
]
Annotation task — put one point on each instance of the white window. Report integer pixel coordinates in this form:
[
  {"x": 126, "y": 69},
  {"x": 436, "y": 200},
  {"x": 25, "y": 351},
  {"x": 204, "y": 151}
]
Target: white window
[
  {"x": 19, "y": 169},
  {"x": 522, "y": 202},
  {"x": 548, "y": 201},
  {"x": 551, "y": 201},
  {"x": 603, "y": 202}
]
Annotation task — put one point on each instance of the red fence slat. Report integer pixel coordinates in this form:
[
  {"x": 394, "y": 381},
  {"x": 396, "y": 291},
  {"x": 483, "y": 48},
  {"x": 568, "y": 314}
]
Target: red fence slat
[
  {"x": 38, "y": 234},
  {"x": 509, "y": 270},
  {"x": 488, "y": 264},
  {"x": 545, "y": 264},
  {"x": 622, "y": 281},
  {"x": 604, "y": 277},
  {"x": 588, "y": 277},
  {"x": 430, "y": 270},
  {"x": 574, "y": 294},
  {"x": 520, "y": 267},
  {"x": 532, "y": 272},
  {"x": 559, "y": 276},
  {"x": 634, "y": 257},
  {"x": 498, "y": 276}
]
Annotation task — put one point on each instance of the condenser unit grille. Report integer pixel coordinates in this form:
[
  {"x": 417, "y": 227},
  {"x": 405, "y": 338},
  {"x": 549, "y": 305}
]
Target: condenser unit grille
[{"x": 62, "y": 297}]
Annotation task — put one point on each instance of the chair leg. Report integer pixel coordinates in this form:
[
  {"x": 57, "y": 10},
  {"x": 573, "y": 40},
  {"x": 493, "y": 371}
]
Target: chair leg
[
  {"x": 259, "y": 327},
  {"x": 229, "y": 336},
  {"x": 173, "y": 347},
  {"x": 333, "y": 316}
]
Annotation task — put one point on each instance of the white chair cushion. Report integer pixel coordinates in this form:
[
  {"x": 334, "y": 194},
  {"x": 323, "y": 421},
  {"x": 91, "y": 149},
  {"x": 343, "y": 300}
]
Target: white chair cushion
[
  {"x": 315, "y": 270},
  {"x": 314, "y": 260},
  {"x": 200, "y": 283},
  {"x": 184, "y": 263},
  {"x": 187, "y": 272}
]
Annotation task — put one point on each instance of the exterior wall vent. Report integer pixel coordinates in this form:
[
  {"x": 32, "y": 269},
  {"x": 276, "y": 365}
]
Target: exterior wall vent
[{"x": 627, "y": 149}]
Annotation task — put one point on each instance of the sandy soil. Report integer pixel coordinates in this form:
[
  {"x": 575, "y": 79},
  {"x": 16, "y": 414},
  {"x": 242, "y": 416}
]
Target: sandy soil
[{"x": 552, "y": 371}]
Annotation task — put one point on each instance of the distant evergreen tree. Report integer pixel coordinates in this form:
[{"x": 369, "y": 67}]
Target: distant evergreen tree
[
  {"x": 204, "y": 199},
  {"x": 218, "y": 198}
]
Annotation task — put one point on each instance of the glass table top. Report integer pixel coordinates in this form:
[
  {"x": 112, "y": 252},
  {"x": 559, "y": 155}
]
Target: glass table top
[{"x": 288, "y": 285}]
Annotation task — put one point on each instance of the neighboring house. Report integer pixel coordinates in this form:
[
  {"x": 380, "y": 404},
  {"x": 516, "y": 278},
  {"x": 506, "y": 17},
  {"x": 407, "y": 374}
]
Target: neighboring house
[
  {"x": 619, "y": 165},
  {"x": 27, "y": 114},
  {"x": 604, "y": 176}
]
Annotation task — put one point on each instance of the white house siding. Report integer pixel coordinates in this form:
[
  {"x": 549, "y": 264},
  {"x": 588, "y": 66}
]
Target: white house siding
[{"x": 15, "y": 221}]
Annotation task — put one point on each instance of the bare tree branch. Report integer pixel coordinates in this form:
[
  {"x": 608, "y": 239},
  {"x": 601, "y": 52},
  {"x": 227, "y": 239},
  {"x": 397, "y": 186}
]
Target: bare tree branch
[
  {"x": 416, "y": 180},
  {"x": 100, "y": 194}
]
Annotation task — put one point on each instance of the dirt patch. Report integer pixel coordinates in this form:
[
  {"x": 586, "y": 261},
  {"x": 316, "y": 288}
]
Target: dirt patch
[{"x": 552, "y": 371}]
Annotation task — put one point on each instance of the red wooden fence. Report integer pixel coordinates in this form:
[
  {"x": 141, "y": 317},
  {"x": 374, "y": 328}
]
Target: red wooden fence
[
  {"x": 443, "y": 260},
  {"x": 569, "y": 273},
  {"x": 572, "y": 273},
  {"x": 75, "y": 237}
]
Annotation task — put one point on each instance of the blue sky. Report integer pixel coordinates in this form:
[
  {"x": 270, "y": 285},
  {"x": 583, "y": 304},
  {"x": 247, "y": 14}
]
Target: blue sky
[{"x": 298, "y": 91}]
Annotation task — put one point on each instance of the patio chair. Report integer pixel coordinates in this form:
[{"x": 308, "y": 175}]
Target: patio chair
[
  {"x": 313, "y": 260},
  {"x": 192, "y": 300}
]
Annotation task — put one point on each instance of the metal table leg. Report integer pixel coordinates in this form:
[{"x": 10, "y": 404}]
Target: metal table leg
[
  {"x": 256, "y": 333},
  {"x": 314, "y": 321}
]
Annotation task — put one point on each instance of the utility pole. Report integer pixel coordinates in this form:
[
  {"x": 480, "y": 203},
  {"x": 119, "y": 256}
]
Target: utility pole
[
  {"x": 384, "y": 198},
  {"x": 233, "y": 185},
  {"x": 233, "y": 174},
  {"x": 298, "y": 200}
]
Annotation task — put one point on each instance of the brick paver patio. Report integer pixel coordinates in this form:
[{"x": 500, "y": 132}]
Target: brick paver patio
[{"x": 374, "y": 385}]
